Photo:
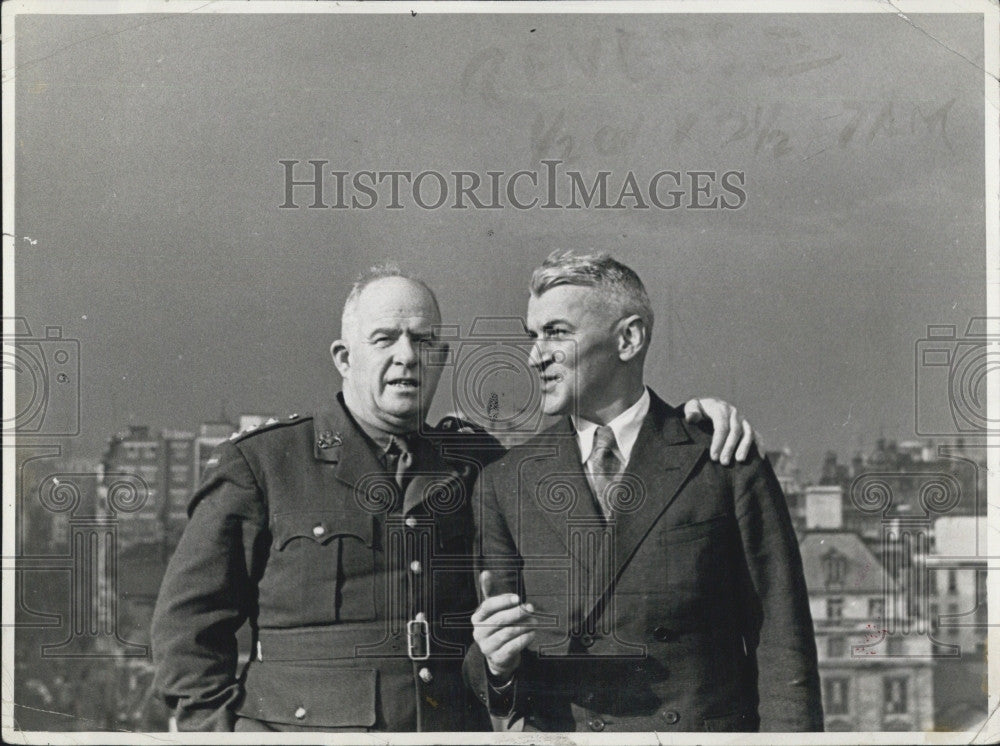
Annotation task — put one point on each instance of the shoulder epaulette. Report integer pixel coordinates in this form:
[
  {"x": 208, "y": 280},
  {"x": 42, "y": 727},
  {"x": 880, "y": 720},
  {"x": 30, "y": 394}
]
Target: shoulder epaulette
[{"x": 271, "y": 423}]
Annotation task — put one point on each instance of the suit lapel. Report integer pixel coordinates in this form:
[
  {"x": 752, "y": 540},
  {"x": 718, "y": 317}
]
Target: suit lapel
[
  {"x": 559, "y": 489},
  {"x": 662, "y": 460}
]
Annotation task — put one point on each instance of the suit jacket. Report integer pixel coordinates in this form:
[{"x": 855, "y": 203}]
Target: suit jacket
[
  {"x": 298, "y": 530},
  {"x": 688, "y": 611}
]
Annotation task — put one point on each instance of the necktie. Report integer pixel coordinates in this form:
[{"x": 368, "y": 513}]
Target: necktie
[
  {"x": 604, "y": 467},
  {"x": 399, "y": 457}
]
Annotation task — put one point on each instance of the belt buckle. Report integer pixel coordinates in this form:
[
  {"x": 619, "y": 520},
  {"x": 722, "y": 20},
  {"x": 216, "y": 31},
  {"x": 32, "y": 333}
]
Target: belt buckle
[{"x": 417, "y": 638}]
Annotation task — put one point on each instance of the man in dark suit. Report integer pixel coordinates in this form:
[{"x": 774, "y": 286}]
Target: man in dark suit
[
  {"x": 345, "y": 540},
  {"x": 629, "y": 582}
]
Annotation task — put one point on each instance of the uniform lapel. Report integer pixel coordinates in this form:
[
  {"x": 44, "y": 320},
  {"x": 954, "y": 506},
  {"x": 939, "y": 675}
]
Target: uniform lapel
[{"x": 338, "y": 441}]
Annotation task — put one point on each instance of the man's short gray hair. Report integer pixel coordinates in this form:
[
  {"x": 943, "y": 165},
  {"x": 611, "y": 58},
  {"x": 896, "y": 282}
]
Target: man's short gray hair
[
  {"x": 596, "y": 269},
  {"x": 374, "y": 274}
]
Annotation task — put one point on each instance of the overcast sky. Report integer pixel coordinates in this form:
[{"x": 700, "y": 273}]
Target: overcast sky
[{"x": 148, "y": 186}]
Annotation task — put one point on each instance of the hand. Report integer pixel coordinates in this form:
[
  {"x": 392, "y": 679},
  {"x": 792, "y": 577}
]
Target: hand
[
  {"x": 729, "y": 429},
  {"x": 500, "y": 630}
]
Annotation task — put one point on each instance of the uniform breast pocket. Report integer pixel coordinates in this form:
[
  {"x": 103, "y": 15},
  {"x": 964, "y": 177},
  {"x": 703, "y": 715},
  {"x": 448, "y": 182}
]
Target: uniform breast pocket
[{"x": 327, "y": 558}]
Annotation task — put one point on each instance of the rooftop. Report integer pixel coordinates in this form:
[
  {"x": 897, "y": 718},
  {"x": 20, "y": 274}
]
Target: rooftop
[{"x": 839, "y": 561}]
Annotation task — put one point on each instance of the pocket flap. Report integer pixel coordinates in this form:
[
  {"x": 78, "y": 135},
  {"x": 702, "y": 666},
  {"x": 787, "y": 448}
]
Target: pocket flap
[
  {"x": 321, "y": 526},
  {"x": 672, "y": 535},
  {"x": 313, "y": 696}
]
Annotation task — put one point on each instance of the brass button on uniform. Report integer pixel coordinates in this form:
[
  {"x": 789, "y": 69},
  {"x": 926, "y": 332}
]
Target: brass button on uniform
[
  {"x": 671, "y": 717},
  {"x": 661, "y": 633},
  {"x": 596, "y": 724},
  {"x": 587, "y": 641},
  {"x": 319, "y": 529},
  {"x": 415, "y": 567},
  {"x": 425, "y": 675},
  {"x": 411, "y": 522},
  {"x": 300, "y": 713}
]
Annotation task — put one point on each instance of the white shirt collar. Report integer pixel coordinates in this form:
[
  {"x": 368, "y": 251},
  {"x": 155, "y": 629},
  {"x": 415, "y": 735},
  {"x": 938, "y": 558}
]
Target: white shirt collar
[{"x": 626, "y": 428}]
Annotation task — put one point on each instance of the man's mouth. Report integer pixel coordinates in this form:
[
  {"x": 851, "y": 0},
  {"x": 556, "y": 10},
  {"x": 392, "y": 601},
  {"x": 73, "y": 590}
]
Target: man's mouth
[
  {"x": 403, "y": 383},
  {"x": 548, "y": 379}
]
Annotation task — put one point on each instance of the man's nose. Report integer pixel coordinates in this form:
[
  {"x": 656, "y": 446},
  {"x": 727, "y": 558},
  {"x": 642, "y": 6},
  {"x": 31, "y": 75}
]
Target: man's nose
[
  {"x": 538, "y": 357},
  {"x": 405, "y": 351}
]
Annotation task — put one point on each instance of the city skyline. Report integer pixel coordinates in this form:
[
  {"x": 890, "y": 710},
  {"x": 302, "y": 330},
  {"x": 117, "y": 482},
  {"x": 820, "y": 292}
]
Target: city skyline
[{"x": 895, "y": 652}]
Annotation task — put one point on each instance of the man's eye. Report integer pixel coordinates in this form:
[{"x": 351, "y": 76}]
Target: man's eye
[
  {"x": 381, "y": 341},
  {"x": 556, "y": 333}
]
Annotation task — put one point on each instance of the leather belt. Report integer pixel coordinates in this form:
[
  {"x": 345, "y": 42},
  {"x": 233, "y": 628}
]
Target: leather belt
[{"x": 319, "y": 644}]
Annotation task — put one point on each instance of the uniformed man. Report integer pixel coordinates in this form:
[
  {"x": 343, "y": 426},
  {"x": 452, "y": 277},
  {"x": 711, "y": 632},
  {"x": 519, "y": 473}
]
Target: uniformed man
[{"x": 323, "y": 532}]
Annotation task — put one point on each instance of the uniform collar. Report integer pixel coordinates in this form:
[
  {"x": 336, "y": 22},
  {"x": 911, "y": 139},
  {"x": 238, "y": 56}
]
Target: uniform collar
[{"x": 340, "y": 441}]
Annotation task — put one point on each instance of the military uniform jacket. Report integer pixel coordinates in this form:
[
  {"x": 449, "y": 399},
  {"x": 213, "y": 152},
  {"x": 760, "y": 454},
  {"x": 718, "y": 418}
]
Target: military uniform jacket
[
  {"x": 687, "y": 612},
  {"x": 297, "y": 529}
]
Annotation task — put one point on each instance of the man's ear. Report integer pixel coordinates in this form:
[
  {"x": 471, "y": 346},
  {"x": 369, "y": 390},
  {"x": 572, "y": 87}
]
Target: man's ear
[
  {"x": 339, "y": 353},
  {"x": 633, "y": 336}
]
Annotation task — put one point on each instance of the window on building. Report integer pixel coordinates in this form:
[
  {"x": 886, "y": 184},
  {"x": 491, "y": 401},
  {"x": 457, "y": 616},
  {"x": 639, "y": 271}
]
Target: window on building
[
  {"x": 835, "y": 696},
  {"x": 894, "y": 645},
  {"x": 932, "y": 582},
  {"x": 935, "y": 612},
  {"x": 894, "y": 698},
  {"x": 835, "y": 609},
  {"x": 836, "y": 647},
  {"x": 834, "y": 568},
  {"x": 876, "y": 608},
  {"x": 952, "y": 581}
]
